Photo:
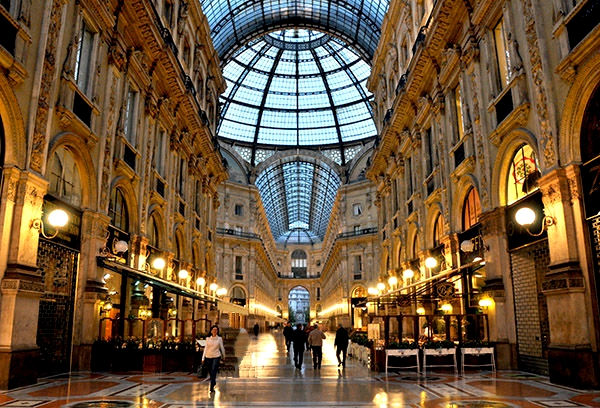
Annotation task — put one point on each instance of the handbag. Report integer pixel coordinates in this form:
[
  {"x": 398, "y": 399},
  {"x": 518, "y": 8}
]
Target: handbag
[{"x": 203, "y": 370}]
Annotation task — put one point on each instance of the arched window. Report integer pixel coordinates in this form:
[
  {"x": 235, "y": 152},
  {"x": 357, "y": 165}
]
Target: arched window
[
  {"x": 523, "y": 174},
  {"x": 471, "y": 209},
  {"x": 117, "y": 209},
  {"x": 299, "y": 263},
  {"x": 152, "y": 232},
  {"x": 238, "y": 296},
  {"x": 438, "y": 230},
  {"x": 65, "y": 182}
]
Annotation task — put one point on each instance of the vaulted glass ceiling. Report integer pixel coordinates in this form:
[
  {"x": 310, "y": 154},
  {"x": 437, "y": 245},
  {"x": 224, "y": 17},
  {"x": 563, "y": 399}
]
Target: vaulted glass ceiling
[
  {"x": 234, "y": 23},
  {"x": 296, "y": 88},
  {"x": 296, "y": 73},
  {"x": 298, "y": 196}
]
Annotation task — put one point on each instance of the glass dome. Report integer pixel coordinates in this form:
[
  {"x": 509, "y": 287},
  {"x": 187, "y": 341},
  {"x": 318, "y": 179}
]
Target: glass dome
[{"x": 296, "y": 88}]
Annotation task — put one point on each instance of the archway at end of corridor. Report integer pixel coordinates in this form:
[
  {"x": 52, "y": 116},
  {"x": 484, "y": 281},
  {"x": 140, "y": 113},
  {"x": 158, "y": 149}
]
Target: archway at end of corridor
[{"x": 299, "y": 305}]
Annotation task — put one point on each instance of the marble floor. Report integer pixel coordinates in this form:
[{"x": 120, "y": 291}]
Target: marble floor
[{"x": 265, "y": 376}]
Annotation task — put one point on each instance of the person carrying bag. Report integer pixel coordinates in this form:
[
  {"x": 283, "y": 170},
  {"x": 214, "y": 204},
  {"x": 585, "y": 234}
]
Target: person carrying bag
[{"x": 213, "y": 352}]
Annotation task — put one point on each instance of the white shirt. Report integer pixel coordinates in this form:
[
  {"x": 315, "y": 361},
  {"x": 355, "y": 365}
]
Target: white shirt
[{"x": 214, "y": 347}]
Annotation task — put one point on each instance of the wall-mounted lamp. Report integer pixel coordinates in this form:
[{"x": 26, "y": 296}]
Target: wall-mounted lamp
[
  {"x": 408, "y": 274},
  {"x": 221, "y": 292},
  {"x": 525, "y": 217},
  {"x": 200, "y": 282},
  {"x": 159, "y": 263},
  {"x": 392, "y": 281},
  {"x": 474, "y": 244},
  {"x": 183, "y": 274},
  {"x": 118, "y": 248},
  {"x": 446, "y": 308},
  {"x": 421, "y": 310},
  {"x": 485, "y": 302},
  {"x": 106, "y": 306},
  {"x": 431, "y": 262},
  {"x": 57, "y": 218}
]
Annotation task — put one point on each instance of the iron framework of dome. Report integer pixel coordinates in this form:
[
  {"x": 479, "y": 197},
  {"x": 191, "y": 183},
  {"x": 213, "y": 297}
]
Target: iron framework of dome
[{"x": 296, "y": 75}]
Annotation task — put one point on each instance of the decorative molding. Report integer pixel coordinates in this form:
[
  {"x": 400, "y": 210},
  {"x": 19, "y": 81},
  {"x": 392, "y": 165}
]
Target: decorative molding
[{"x": 539, "y": 88}]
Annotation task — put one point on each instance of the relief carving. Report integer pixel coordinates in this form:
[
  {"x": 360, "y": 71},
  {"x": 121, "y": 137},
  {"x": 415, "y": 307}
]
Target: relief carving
[
  {"x": 541, "y": 98},
  {"x": 38, "y": 141}
]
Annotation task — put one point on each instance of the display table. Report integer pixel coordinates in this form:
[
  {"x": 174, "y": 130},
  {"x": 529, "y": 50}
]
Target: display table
[
  {"x": 477, "y": 351},
  {"x": 402, "y": 353},
  {"x": 440, "y": 352}
]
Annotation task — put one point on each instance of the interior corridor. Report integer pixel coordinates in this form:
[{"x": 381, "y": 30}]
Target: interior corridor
[{"x": 265, "y": 376}]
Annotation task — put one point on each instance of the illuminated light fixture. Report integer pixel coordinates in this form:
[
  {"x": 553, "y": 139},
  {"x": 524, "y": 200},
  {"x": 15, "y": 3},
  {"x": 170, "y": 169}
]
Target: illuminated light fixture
[
  {"x": 408, "y": 274},
  {"x": 159, "y": 263},
  {"x": 479, "y": 259},
  {"x": 421, "y": 310},
  {"x": 221, "y": 292},
  {"x": 486, "y": 302},
  {"x": 121, "y": 246},
  {"x": 467, "y": 246},
  {"x": 525, "y": 217},
  {"x": 431, "y": 262},
  {"x": 381, "y": 286},
  {"x": 393, "y": 281},
  {"x": 201, "y": 281},
  {"x": 446, "y": 307},
  {"x": 57, "y": 218},
  {"x": 213, "y": 287},
  {"x": 183, "y": 274},
  {"x": 106, "y": 306},
  {"x": 372, "y": 291}
]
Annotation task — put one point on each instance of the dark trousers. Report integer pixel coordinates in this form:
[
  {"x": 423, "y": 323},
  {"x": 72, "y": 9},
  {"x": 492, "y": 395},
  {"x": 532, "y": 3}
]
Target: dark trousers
[
  {"x": 288, "y": 344},
  {"x": 213, "y": 368},
  {"x": 317, "y": 353},
  {"x": 342, "y": 351},
  {"x": 298, "y": 355}
]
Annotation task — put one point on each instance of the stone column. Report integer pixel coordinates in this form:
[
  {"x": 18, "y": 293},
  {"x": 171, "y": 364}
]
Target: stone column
[
  {"x": 91, "y": 289},
  {"x": 21, "y": 285},
  {"x": 572, "y": 358},
  {"x": 498, "y": 286}
]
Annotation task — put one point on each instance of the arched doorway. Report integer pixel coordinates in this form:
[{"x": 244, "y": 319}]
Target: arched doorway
[{"x": 299, "y": 305}]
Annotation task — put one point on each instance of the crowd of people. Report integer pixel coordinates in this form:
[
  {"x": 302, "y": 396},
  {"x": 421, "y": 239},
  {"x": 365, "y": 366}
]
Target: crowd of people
[
  {"x": 311, "y": 338},
  {"x": 299, "y": 339}
]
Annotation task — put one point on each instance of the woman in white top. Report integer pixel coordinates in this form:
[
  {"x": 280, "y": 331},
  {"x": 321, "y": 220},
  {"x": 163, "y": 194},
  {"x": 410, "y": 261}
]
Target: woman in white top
[{"x": 213, "y": 352}]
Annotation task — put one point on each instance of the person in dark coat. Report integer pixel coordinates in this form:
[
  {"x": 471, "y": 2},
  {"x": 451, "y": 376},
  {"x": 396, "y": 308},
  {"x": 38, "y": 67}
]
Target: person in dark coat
[
  {"x": 288, "y": 332},
  {"x": 341, "y": 345},
  {"x": 299, "y": 339},
  {"x": 255, "y": 329}
]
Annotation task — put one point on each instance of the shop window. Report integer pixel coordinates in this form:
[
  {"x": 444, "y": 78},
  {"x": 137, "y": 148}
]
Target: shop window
[{"x": 523, "y": 174}]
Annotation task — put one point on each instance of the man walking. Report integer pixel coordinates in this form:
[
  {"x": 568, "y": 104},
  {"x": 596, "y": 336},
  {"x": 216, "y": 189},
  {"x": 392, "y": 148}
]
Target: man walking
[
  {"x": 341, "y": 345},
  {"x": 315, "y": 340},
  {"x": 299, "y": 342}
]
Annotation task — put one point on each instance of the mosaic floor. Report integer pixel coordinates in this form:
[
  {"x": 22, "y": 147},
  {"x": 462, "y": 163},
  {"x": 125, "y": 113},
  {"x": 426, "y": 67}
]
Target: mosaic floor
[{"x": 266, "y": 377}]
